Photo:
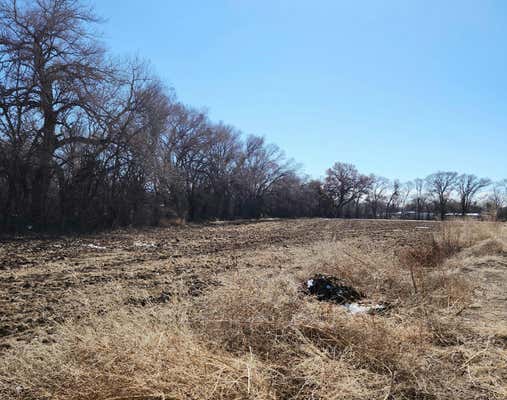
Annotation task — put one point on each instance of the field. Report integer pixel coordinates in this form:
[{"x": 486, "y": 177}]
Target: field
[{"x": 219, "y": 311}]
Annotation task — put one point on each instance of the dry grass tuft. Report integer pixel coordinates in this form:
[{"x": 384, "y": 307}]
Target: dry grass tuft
[
  {"x": 325, "y": 377},
  {"x": 249, "y": 313},
  {"x": 487, "y": 247}
]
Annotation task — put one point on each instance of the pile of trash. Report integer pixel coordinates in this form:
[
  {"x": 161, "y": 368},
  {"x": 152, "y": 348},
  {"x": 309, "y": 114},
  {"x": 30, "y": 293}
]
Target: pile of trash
[{"x": 332, "y": 289}]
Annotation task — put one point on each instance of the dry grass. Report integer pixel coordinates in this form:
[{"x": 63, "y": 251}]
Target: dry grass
[
  {"x": 126, "y": 355},
  {"x": 257, "y": 336}
]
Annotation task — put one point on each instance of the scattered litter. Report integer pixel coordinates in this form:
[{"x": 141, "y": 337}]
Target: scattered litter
[
  {"x": 94, "y": 246},
  {"x": 144, "y": 244},
  {"x": 329, "y": 288}
]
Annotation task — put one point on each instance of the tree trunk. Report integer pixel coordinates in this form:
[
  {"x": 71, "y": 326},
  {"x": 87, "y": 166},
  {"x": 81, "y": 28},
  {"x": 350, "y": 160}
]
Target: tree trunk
[
  {"x": 42, "y": 178},
  {"x": 40, "y": 188}
]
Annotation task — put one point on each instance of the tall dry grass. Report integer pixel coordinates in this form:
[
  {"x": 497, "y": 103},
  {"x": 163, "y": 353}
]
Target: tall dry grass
[
  {"x": 131, "y": 355},
  {"x": 257, "y": 336}
]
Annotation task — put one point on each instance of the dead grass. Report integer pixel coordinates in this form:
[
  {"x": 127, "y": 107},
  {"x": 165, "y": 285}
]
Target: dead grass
[
  {"x": 127, "y": 356},
  {"x": 257, "y": 336}
]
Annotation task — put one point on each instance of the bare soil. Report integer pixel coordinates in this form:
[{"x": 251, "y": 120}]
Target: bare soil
[{"x": 45, "y": 281}]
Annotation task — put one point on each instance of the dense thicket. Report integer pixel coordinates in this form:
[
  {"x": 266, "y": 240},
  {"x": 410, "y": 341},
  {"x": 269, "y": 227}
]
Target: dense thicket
[{"x": 89, "y": 143}]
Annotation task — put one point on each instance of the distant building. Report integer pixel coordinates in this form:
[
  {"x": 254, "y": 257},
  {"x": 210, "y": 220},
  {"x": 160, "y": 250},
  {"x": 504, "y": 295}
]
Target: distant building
[
  {"x": 476, "y": 216},
  {"x": 409, "y": 214}
]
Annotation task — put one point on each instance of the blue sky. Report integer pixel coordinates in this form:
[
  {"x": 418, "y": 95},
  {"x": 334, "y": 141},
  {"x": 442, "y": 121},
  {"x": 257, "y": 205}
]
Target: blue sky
[{"x": 398, "y": 88}]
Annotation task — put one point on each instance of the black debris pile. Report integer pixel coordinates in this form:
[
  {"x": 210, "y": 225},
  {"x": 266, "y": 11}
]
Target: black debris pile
[
  {"x": 330, "y": 288},
  {"x": 163, "y": 297}
]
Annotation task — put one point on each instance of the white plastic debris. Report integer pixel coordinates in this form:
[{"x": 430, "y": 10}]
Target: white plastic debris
[
  {"x": 356, "y": 308},
  {"x": 94, "y": 246},
  {"x": 422, "y": 227},
  {"x": 143, "y": 244},
  {"x": 309, "y": 283}
]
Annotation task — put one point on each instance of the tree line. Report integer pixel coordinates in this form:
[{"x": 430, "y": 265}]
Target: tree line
[
  {"x": 88, "y": 142},
  {"x": 439, "y": 195}
]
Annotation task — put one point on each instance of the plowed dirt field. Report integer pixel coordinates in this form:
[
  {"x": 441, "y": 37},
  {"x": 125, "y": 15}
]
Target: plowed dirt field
[{"x": 44, "y": 281}]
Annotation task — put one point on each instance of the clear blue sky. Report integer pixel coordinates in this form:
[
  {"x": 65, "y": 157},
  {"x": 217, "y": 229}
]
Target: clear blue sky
[{"x": 399, "y": 88}]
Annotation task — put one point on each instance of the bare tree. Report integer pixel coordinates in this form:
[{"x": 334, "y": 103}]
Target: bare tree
[
  {"x": 441, "y": 185},
  {"x": 261, "y": 166},
  {"x": 468, "y": 186},
  {"x": 344, "y": 184},
  {"x": 498, "y": 197},
  {"x": 376, "y": 195},
  {"x": 294, "y": 196},
  {"x": 393, "y": 197},
  {"x": 184, "y": 148},
  {"x": 405, "y": 192},
  {"x": 50, "y": 61},
  {"x": 420, "y": 196},
  {"x": 221, "y": 167}
]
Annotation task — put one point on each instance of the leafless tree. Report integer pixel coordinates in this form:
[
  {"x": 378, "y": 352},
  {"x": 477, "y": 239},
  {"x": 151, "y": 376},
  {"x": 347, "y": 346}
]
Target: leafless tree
[
  {"x": 468, "y": 186},
  {"x": 405, "y": 192},
  {"x": 393, "y": 197},
  {"x": 221, "y": 167},
  {"x": 377, "y": 192},
  {"x": 294, "y": 196},
  {"x": 498, "y": 197},
  {"x": 344, "y": 184},
  {"x": 420, "y": 196},
  {"x": 261, "y": 167},
  {"x": 50, "y": 61},
  {"x": 441, "y": 185}
]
